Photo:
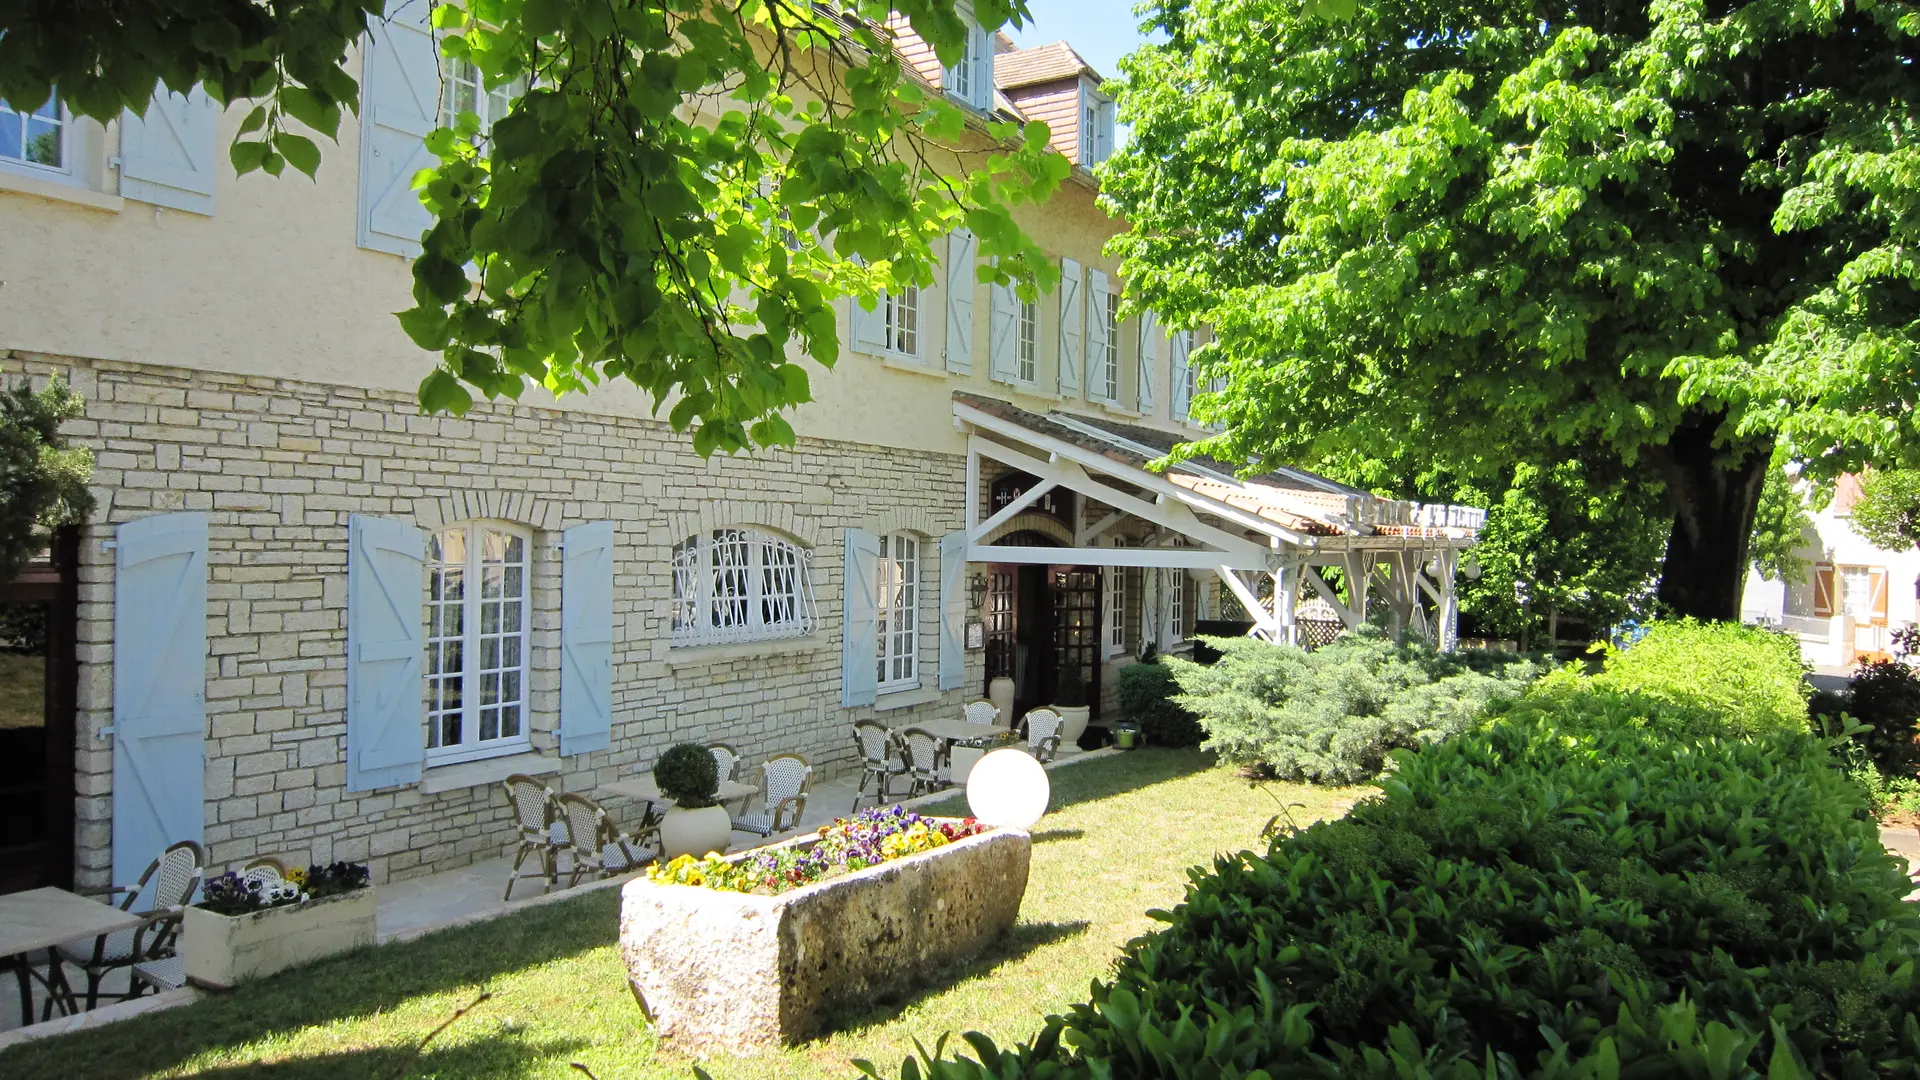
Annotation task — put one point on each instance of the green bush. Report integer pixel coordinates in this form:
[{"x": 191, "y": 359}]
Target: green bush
[
  {"x": 1534, "y": 899},
  {"x": 1885, "y": 697},
  {"x": 1146, "y": 695},
  {"x": 688, "y": 775},
  {"x": 1749, "y": 679},
  {"x": 1333, "y": 715}
]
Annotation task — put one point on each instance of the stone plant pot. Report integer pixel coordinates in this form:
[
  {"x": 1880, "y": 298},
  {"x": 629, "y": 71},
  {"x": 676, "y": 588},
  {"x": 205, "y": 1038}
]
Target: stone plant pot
[
  {"x": 224, "y": 950},
  {"x": 1073, "y": 725},
  {"x": 695, "y": 832},
  {"x": 1000, "y": 692},
  {"x": 962, "y": 760},
  {"x": 728, "y": 972}
]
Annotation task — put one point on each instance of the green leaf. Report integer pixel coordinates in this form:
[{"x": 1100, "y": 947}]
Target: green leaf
[
  {"x": 299, "y": 151},
  {"x": 247, "y": 156},
  {"x": 441, "y": 392}
]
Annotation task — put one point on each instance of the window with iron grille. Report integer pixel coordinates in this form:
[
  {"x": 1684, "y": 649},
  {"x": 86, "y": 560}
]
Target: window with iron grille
[
  {"x": 899, "y": 602},
  {"x": 740, "y": 585},
  {"x": 476, "y": 661}
]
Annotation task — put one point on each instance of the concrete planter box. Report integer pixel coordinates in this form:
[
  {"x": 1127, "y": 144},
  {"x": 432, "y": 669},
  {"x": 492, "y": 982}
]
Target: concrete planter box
[
  {"x": 726, "y": 971},
  {"x": 224, "y": 950}
]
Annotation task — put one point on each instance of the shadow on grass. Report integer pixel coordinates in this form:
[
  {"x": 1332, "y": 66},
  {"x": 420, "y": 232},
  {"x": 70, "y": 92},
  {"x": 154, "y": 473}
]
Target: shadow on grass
[
  {"x": 1048, "y": 836},
  {"x": 1024, "y": 938},
  {"x": 362, "y": 983},
  {"x": 1101, "y": 779},
  {"x": 499, "y": 1055}
]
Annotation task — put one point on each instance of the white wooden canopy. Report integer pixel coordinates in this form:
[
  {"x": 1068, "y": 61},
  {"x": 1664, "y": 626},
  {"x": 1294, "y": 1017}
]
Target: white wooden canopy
[{"x": 1286, "y": 523}]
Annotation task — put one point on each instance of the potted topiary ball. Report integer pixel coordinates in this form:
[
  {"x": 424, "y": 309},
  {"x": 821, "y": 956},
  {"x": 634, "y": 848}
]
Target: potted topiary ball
[
  {"x": 1070, "y": 701},
  {"x": 696, "y": 824}
]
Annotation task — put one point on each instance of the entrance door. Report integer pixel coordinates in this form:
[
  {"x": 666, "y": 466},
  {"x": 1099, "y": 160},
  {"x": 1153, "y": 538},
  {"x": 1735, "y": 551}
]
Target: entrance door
[
  {"x": 1076, "y": 627},
  {"x": 37, "y": 684}
]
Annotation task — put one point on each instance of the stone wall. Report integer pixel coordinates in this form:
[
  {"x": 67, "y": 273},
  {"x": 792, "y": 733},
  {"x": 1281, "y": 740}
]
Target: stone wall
[{"x": 280, "y": 464}]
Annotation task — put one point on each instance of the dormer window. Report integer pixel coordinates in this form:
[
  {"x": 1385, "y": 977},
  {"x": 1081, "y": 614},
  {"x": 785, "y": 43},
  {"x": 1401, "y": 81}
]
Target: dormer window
[
  {"x": 1096, "y": 126},
  {"x": 971, "y": 80}
]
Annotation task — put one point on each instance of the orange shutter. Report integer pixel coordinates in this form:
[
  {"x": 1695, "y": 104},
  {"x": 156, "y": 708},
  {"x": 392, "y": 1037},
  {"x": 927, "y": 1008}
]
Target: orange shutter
[
  {"x": 1877, "y": 582},
  {"x": 1823, "y": 589}
]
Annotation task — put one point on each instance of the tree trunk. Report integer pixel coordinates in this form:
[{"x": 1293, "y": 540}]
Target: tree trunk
[{"x": 1714, "y": 493}]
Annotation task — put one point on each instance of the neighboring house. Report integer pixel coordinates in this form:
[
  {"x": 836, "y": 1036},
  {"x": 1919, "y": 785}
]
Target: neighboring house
[
  {"x": 315, "y": 623},
  {"x": 1852, "y": 596}
]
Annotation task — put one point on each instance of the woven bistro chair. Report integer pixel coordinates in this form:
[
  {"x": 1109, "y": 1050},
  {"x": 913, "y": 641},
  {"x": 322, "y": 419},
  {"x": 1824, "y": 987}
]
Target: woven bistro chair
[
  {"x": 880, "y": 761},
  {"x": 726, "y": 760},
  {"x": 595, "y": 844},
  {"x": 542, "y": 832},
  {"x": 926, "y": 761},
  {"x": 785, "y": 781},
  {"x": 175, "y": 875},
  {"x": 982, "y": 712},
  {"x": 1043, "y": 734},
  {"x": 269, "y": 872}
]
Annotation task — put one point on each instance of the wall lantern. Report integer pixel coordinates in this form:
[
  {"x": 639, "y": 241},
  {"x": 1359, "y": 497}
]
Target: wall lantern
[{"x": 977, "y": 590}]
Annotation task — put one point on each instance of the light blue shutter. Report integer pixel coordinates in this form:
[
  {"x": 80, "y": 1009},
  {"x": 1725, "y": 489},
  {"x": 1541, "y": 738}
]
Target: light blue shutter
[
  {"x": 1178, "y": 344},
  {"x": 953, "y": 610},
  {"x": 586, "y": 639},
  {"x": 159, "y": 687},
  {"x": 1072, "y": 312},
  {"x": 867, "y": 328},
  {"x": 385, "y": 641},
  {"x": 401, "y": 105},
  {"x": 960, "y": 284},
  {"x": 167, "y": 158},
  {"x": 860, "y": 642},
  {"x": 1003, "y": 333},
  {"x": 1149, "y": 357}
]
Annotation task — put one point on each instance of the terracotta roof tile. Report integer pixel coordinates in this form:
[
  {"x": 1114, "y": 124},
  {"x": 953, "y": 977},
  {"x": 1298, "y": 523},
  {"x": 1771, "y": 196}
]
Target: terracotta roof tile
[{"x": 1044, "y": 63}]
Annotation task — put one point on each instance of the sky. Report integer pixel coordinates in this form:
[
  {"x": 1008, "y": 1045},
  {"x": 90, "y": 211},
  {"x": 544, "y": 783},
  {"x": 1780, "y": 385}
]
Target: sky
[{"x": 1101, "y": 31}]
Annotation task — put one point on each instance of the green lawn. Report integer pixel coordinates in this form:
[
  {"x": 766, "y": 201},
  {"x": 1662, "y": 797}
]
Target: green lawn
[{"x": 1122, "y": 833}]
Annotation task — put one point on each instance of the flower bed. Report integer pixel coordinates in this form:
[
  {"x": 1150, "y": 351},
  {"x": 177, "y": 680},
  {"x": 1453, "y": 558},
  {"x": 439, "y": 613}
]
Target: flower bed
[
  {"x": 246, "y": 929},
  {"x": 753, "y": 957},
  {"x": 869, "y": 838}
]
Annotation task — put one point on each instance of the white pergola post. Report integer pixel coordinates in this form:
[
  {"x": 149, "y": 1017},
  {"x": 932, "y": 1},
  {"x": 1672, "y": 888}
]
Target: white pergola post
[
  {"x": 1359, "y": 567},
  {"x": 1449, "y": 629}
]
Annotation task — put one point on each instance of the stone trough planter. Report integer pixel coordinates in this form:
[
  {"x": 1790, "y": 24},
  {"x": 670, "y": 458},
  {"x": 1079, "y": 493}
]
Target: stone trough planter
[
  {"x": 735, "y": 972},
  {"x": 224, "y": 950}
]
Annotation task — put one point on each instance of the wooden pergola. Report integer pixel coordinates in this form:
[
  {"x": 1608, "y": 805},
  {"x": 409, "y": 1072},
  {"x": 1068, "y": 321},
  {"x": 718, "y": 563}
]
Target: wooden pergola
[{"x": 1266, "y": 537}]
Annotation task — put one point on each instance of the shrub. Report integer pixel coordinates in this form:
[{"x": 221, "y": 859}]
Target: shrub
[
  {"x": 1533, "y": 899},
  {"x": 686, "y": 773},
  {"x": 1146, "y": 695},
  {"x": 1751, "y": 680},
  {"x": 1333, "y": 715},
  {"x": 1885, "y": 696}
]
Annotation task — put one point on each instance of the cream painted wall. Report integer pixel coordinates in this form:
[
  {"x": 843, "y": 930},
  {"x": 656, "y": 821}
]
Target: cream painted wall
[{"x": 273, "y": 284}]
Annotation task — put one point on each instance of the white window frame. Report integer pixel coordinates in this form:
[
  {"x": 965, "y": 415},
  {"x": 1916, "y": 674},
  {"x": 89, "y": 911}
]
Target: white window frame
[
  {"x": 1094, "y": 109},
  {"x": 718, "y": 599},
  {"x": 62, "y": 173},
  {"x": 1111, "y": 389},
  {"x": 488, "y": 105},
  {"x": 897, "y": 651},
  {"x": 953, "y": 78},
  {"x": 1026, "y": 342},
  {"x": 898, "y": 308},
  {"x": 1116, "y": 614},
  {"x": 1176, "y": 609},
  {"x": 473, "y": 602},
  {"x": 1852, "y": 597}
]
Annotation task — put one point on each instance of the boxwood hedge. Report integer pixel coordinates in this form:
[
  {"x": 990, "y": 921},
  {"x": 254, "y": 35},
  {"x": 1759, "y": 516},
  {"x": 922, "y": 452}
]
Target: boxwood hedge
[{"x": 1580, "y": 888}]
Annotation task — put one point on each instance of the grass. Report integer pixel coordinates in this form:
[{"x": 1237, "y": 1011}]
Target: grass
[
  {"x": 23, "y": 689},
  {"x": 1122, "y": 832}
]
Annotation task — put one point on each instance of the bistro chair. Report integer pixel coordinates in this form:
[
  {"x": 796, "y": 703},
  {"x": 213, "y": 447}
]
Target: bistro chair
[
  {"x": 726, "y": 760},
  {"x": 785, "y": 781},
  {"x": 596, "y": 845},
  {"x": 879, "y": 760},
  {"x": 174, "y": 876},
  {"x": 268, "y": 871},
  {"x": 982, "y": 712},
  {"x": 1043, "y": 734},
  {"x": 926, "y": 761},
  {"x": 542, "y": 833}
]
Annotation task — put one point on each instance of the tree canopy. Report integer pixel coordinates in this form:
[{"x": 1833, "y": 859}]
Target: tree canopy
[
  {"x": 1888, "y": 510},
  {"x": 1485, "y": 233},
  {"x": 679, "y": 200},
  {"x": 43, "y": 481}
]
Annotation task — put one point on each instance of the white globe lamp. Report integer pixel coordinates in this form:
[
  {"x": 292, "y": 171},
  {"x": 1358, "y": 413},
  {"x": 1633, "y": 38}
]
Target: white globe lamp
[{"x": 1008, "y": 789}]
